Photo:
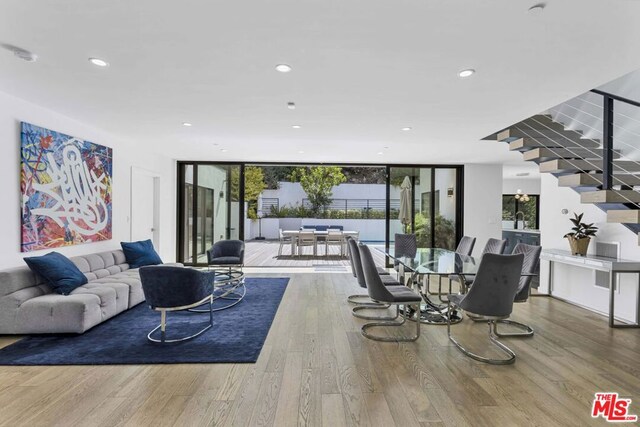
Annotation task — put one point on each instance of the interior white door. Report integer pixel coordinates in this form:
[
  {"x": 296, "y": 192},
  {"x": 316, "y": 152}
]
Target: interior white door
[{"x": 144, "y": 215}]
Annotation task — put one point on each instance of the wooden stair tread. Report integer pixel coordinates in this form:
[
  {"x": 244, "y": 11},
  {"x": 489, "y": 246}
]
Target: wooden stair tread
[
  {"x": 610, "y": 196},
  {"x": 628, "y": 216},
  {"x": 545, "y": 153},
  {"x": 571, "y": 165},
  {"x": 595, "y": 179},
  {"x": 524, "y": 131},
  {"x": 524, "y": 144}
]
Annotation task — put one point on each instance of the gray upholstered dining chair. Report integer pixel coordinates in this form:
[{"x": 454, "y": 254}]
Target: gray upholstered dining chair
[
  {"x": 358, "y": 273},
  {"x": 465, "y": 246},
  {"x": 490, "y": 299},
  {"x": 392, "y": 295},
  {"x": 493, "y": 246},
  {"x": 175, "y": 289},
  {"x": 405, "y": 245},
  {"x": 529, "y": 266}
]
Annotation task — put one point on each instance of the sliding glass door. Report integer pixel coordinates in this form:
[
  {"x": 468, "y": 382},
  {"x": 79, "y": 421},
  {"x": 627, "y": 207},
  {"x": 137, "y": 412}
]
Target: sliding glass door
[
  {"x": 209, "y": 208},
  {"x": 434, "y": 214}
]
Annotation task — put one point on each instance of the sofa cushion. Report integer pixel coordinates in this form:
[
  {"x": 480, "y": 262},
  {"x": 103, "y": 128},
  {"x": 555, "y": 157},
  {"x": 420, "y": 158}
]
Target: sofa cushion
[
  {"x": 59, "y": 272},
  {"x": 53, "y": 313},
  {"x": 139, "y": 254}
]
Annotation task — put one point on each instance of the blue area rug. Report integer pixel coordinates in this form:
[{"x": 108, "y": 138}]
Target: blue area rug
[{"x": 237, "y": 335}]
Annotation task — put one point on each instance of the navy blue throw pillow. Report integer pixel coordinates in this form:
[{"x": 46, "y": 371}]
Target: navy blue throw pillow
[
  {"x": 139, "y": 254},
  {"x": 58, "y": 270}
]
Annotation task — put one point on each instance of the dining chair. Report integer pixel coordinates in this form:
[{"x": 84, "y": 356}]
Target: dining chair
[
  {"x": 392, "y": 295},
  {"x": 405, "y": 245},
  {"x": 284, "y": 240},
  {"x": 465, "y": 246},
  {"x": 307, "y": 238},
  {"x": 358, "y": 273},
  {"x": 493, "y": 246},
  {"x": 490, "y": 299},
  {"x": 529, "y": 267},
  {"x": 334, "y": 238}
]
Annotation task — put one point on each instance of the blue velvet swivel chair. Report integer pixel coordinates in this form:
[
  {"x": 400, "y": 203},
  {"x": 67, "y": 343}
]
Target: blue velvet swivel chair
[
  {"x": 226, "y": 253},
  {"x": 176, "y": 289}
]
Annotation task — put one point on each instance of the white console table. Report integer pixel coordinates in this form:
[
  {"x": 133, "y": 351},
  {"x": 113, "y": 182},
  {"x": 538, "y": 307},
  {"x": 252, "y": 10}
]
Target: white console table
[{"x": 612, "y": 266}]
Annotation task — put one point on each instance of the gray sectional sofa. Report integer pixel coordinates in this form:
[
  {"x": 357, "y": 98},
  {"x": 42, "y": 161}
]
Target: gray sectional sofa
[{"x": 28, "y": 306}]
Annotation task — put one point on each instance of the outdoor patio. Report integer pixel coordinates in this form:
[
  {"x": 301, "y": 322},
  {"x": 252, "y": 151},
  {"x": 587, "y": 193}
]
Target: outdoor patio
[{"x": 264, "y": 253}]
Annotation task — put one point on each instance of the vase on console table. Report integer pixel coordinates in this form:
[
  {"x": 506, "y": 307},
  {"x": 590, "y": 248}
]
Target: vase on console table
[{"x": 579, "y": 246}]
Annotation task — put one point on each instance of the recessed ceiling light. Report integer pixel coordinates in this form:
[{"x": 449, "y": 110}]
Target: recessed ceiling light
[
  {"x": 99, "y": 62},
  {"x": 224, "y": 150},
  {"x": 536, "y": 9},
  {"x": 291, "y": 105},
  {"x": 466, "y": 73},
  {"x": 283, "y": 68},
  {"x": 386, "y": 148},
  {"x": 187, "y": 124},
  {"x": 406, "y": 129},
  {"x": 300, "y": 152},
  {"x": 380, "y": 153},
  {"x": 296, "y": 126}
]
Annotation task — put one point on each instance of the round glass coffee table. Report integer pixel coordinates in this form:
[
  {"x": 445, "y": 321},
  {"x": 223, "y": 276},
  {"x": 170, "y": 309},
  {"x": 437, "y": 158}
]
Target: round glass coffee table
[{"x": 228, "y": 286}]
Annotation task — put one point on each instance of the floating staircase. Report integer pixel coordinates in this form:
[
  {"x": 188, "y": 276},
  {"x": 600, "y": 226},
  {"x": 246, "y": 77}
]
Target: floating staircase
[{"x": 578, "y": 161}]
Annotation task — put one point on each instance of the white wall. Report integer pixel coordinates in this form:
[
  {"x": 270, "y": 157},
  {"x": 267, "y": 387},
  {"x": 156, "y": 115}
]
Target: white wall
[
  {"x": 125, "y": 155},
  {"x": 577, "y": 284},
  {"x": 527, "y": 185},
  {"x": 482, "y": 203}
]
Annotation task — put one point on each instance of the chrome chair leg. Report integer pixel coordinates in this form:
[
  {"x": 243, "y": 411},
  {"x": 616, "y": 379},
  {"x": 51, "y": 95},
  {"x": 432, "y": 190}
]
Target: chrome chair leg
[
  {"x": 367, "y": 326},
  {"x": 163, "y": 327},
  {"x": 527, "y": 330},
  {"x": 494, "y": 340},
  {"x": 353, "y": 299}
]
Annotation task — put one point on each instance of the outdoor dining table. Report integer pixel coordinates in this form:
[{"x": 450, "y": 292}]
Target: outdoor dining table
[
  {"x": 436, "y": 262},
  {"x": 293, "y": 234}
]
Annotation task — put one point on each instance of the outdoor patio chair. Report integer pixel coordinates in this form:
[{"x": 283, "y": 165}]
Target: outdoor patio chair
[
  {"x": 334, "y": 238},
  {"x": 307, "y": 238},
  {"x": 284, "y": 240}
]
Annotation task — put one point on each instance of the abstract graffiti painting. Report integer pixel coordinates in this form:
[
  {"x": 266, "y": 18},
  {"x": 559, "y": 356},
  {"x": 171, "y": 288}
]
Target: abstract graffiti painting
[{"x": 66, "y": 189}]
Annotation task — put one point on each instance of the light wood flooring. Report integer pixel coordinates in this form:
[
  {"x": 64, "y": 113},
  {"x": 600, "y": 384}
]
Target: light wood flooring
[{"x": 316, "y": 369}]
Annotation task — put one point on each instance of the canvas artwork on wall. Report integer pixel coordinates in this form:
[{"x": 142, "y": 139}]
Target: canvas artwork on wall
[{"x": 66, "y": 186}]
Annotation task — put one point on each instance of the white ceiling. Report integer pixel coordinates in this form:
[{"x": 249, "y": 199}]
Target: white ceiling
[{"x": 362, "y": 70}]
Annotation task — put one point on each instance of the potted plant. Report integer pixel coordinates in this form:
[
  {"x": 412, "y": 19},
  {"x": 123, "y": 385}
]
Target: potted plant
[{"x": 580, "y": 235}]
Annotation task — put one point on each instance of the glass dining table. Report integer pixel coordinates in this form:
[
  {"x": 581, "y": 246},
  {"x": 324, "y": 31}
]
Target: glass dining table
[{"x": 434, "y": 262}]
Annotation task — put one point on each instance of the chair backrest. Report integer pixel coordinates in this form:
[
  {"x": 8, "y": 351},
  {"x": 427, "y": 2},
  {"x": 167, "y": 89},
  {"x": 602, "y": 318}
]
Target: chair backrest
[
  {"x": 336, "y": 227},
  {"x": 465, "y": 247},
  {"x": 322, "y": 227},
  {"x": 495, "y": 286},
  {"x": 375, "y": 287},
  {"x": 494, "y": 246},
  {"x": 306, "y": 237},
  {"x": 224, "y": 248},
  {"x": 308, "y": 227},
  {"x": 405, "y": 245},
  {"x": 529, "y": 265},
  {"x": 168, "y": 287},
  {"x": 335, "y": 236},
  {"x": 356, "y": 264}
]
